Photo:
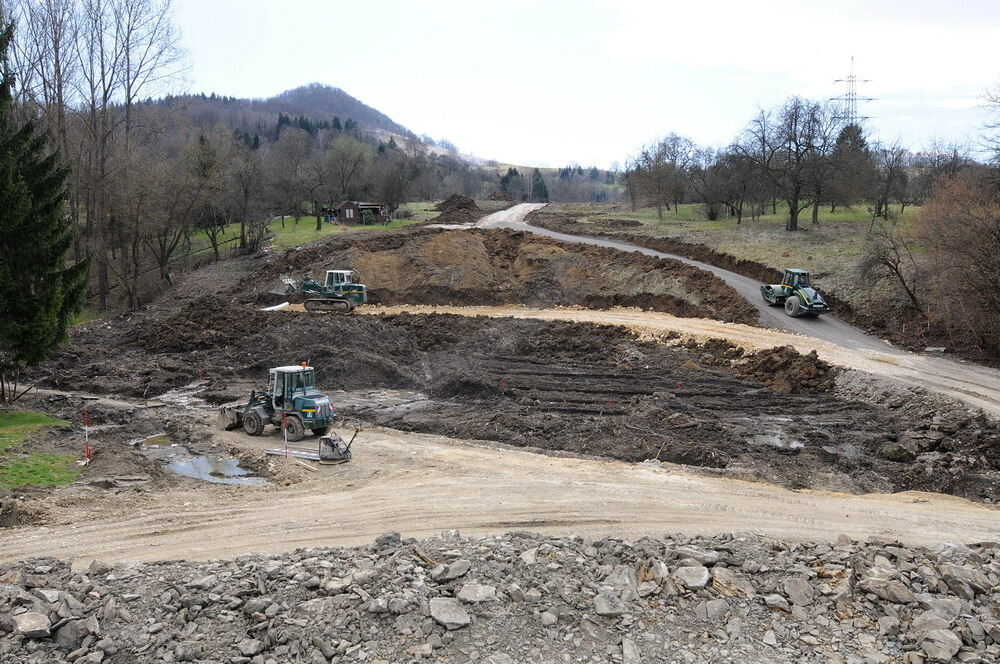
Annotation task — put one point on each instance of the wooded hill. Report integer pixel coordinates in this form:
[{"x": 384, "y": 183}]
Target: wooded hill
[{"x": 321, "y": 104}]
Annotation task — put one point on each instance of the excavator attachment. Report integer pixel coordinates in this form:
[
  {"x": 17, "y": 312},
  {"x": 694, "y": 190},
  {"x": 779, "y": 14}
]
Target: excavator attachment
[{"x": 285, "y": 285}]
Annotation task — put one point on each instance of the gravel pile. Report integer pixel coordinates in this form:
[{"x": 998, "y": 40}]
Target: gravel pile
[{"x": 518, "y": 598}]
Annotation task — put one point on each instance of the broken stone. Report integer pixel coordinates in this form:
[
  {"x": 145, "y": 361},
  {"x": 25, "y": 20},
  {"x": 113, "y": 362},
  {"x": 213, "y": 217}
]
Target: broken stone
[
  {"x": 250, "y": 647},
  {"x": 693, "y": 578},
  {"x": 32, "y": 625},
  {"x": 607, "y": 603},
  {"x": 891, "y": 591},
  {"x": 776, "y": 603},
  {"x": 474, "y": 593},
  {"x": 449, "y": 612},
  {"x": 455, "y": 570},
  {"x": 940, "y": 645},
  {"x": 799, "y": 591}
]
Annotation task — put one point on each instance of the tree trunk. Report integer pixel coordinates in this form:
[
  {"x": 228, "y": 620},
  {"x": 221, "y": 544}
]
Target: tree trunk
[
  {"x": 793, "y": 215},
  {"x": 815, "y": 216}
]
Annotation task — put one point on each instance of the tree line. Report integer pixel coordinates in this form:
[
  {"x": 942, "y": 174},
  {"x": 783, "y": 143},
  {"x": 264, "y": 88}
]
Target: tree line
[
  {"x": 803, "y": 153},
  {"x": 147, "y": 176},
  {"x": 932, "y": 274}
]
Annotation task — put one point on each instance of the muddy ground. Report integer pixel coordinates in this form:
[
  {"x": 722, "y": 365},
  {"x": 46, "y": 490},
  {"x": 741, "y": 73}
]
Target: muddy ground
[
  {"x": 434, "y": 266},
  {"x": 577, "y": 388}
]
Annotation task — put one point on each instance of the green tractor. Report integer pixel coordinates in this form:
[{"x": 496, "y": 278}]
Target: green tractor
[
  {"x": 796, "y": 292},
  {"x": 342, "y": 291},
  {"x": 291, "y": 398}
]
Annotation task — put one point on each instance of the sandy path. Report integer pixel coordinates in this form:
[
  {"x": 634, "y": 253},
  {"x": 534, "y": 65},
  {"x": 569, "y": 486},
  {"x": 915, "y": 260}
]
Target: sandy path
[{"x": 422, "y": 484}]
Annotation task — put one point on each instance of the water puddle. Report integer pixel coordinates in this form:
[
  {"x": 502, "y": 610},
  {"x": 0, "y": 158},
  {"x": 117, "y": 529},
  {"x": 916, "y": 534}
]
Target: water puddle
[
  {"x": 206, "y": 467},
  {"x": 220, "y": 470}
]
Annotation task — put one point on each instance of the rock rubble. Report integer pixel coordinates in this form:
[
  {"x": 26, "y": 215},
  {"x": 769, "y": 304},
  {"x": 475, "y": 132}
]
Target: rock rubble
[{"x": 515, "y": 598}]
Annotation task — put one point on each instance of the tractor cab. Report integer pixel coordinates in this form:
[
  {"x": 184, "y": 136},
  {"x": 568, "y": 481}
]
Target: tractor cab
[
  {"x": 285, "y": 383},
  {"x": 341, "y": 277},
  {"x": 796, "y": 279}
]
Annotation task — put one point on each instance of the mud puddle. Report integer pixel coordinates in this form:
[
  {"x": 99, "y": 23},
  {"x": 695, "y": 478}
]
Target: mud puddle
[
  {"x": 214, "y": 468},
  {"x": 219, "y": 470}
]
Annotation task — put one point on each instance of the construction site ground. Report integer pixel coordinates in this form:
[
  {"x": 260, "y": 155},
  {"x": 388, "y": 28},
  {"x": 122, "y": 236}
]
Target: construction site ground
[{"x": 569, "y": 417}]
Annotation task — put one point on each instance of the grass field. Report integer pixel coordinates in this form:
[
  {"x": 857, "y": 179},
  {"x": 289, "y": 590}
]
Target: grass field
[
  {"x": 291, "y": 232},
  {"x": 830, "y": 249},
  {"x": 40, "y": 469}
]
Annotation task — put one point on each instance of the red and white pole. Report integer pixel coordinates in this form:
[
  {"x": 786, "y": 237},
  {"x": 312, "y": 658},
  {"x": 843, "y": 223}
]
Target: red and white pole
[{"x": 87, "y": 452}]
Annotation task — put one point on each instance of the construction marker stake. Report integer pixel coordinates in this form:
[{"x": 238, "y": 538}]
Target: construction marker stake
[{"x": 88, "y": 454}]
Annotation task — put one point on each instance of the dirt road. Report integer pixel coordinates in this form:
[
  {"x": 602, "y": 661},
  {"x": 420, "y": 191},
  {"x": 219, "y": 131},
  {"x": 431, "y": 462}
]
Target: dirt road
[
  {"x": 975, "y": 385},
  {"x": 825, "y": 328},
  {"x": 422, "y": 484}
]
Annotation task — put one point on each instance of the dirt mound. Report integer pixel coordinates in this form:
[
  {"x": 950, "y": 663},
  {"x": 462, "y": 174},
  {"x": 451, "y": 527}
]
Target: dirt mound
[
  {"x": 431, "y": 266},
  {"x": 787, "y": 371},
  {"x": 457, "y": 202},
  {"x": 498, "y": 195},
  {"x": 457, "y": 209},
  {"x": 206, "y": 322}
]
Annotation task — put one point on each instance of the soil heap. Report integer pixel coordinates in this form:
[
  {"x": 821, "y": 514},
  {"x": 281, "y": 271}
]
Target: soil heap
[
  {"x": 457, "y": 209},
  {"x": 467, "y": 267}
]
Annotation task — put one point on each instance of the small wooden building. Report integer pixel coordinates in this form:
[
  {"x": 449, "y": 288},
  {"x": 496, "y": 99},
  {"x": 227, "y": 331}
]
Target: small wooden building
[{"x": 356, "y": 212}]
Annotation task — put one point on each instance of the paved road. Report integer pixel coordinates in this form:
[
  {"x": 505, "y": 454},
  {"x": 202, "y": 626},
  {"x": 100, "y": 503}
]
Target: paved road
[{"x": 826, "y": 328}]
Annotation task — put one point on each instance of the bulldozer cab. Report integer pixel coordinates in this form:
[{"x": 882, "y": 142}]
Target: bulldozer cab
[
  {"x": 796, "y": 279},
  {"x": 340, "y": 277},
  {"x": 286, "y": 382}
]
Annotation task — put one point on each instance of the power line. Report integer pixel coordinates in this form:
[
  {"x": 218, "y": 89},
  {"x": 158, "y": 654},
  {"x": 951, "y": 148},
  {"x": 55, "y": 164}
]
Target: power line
[{"x": 851, "y": 98}]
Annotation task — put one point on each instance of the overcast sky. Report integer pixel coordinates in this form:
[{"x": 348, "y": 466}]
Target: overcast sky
[{"x": 548, "y": 82}]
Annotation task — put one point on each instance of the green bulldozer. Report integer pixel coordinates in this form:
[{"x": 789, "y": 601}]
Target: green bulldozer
[
  {"x": 290, "y": 399},
  {"x": 341, "y": 291},
  {"x": 796, "y": 293}
]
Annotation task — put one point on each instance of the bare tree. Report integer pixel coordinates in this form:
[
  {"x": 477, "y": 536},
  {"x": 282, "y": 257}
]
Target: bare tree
[
  {"x": 784, "y": 144},
  {"x": 887, "y": 253}
]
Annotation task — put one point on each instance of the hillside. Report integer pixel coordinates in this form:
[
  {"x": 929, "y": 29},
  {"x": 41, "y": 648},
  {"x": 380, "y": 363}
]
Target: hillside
[{"x": 316, "y": 101}]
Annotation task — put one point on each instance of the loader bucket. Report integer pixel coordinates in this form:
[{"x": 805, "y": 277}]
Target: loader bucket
[
  {"x": 229, "y": 417},
  {"x": 285, "y": 285}
]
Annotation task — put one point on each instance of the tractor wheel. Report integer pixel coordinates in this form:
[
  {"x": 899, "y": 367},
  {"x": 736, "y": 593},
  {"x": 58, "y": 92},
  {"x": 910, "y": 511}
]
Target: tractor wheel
[
  {"x": 296, "y": 430},
  {"x": 252, "y": 423},
  {"x": 320, "y": 431},
  {"x": 793, "y": 307}
]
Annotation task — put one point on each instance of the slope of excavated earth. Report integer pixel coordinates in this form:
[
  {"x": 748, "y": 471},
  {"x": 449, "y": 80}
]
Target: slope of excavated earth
[
  {"x": 434, "y": 266},
  {"x": 580, "y": 388}
]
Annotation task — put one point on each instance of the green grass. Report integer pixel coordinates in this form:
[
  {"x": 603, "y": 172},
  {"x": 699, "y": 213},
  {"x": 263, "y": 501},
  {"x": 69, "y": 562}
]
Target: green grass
[
  {"x": 293, "y": 232},
  {"x": 40, "y": 469},
  {"x": 830, "y": 249},
  {"x": 15, "y": 427}
]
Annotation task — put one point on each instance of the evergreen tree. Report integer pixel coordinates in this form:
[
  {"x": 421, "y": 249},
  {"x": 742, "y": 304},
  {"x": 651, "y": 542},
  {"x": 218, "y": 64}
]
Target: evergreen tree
[
  {"x": 39, "y": 294},
  {"x": 511, "y": 182},
  {"x": 539, "y": 192}
]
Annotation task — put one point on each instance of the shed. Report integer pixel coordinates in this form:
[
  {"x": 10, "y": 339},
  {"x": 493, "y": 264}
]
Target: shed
[{"x": 357, "y": 212}]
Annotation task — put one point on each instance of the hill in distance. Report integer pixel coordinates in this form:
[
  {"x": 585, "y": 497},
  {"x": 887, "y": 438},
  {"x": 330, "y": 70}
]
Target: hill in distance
[{"x": 316, "y": 101}]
